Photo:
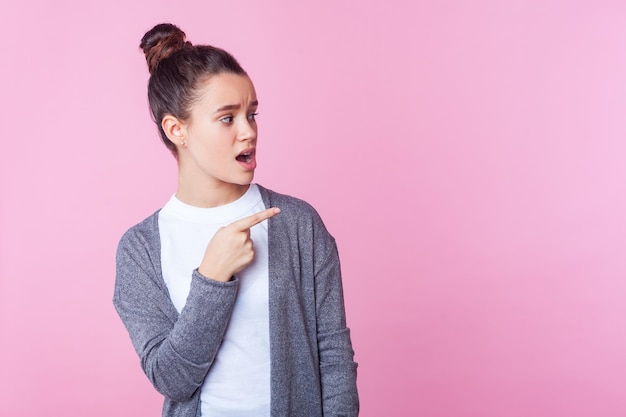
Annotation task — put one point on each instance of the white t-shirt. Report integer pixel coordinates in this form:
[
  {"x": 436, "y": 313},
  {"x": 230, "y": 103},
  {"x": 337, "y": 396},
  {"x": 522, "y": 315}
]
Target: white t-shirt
[{"x": 238, "y": 383}]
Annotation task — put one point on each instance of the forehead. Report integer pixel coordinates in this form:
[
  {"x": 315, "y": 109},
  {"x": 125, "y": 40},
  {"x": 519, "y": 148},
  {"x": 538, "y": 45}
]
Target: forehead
[{"x": 226, "y": 89}]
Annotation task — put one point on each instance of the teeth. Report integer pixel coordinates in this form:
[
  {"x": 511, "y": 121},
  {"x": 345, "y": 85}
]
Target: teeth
[{"x": 245, "y": 157}]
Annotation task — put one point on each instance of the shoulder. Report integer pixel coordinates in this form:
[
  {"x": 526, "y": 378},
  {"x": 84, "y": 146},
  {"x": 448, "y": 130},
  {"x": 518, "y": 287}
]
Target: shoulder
[
  {"x": 284, "y": 199},
  {"x": 144, "y": 234},
  {"x": 291, "y": 208},
  {"x": 298, "y": 221},
  {"x": 299, "y": 225}
]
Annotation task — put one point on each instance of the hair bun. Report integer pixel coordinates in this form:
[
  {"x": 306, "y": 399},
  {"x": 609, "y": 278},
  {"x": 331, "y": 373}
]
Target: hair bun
[{"x": 160, "y": 42}]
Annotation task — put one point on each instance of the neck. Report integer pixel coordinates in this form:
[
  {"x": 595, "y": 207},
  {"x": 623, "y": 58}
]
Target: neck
[{"x": 197, "y": 188}]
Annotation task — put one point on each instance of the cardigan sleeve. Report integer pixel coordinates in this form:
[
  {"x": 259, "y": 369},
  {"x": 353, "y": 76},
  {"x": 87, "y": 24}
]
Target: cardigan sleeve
[
  {"x": 176, "y": 351},
  {"x": 337, "y": 366}
]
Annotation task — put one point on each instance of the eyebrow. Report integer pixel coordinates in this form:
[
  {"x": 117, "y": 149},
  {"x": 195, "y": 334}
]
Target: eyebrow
[{"x": 235, "y": 106}]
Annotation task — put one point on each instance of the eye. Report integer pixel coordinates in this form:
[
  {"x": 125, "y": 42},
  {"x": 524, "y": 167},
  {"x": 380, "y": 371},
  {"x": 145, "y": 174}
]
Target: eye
[
  {"x": 252, "y": 116},
  {"x": 226, "y": 119}
]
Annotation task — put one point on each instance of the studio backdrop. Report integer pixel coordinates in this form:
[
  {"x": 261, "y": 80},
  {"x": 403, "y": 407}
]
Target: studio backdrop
[{"x": 468, "y": 156}]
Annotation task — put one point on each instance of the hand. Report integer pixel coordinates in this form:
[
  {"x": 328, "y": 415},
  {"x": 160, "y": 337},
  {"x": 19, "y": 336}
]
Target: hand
[{"x": 231, "y": 248}]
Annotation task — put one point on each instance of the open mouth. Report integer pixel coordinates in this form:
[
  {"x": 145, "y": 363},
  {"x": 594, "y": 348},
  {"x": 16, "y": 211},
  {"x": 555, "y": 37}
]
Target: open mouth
[{"x": 245, "y": 157}]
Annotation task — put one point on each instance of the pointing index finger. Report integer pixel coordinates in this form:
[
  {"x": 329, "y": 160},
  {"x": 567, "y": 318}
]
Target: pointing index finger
[{"x": 256, "y": 218}]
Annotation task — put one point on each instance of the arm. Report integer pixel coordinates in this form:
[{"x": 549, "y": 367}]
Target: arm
[
  {"x": 176, "y": 351},
  {"x": 337, "y": 367}
]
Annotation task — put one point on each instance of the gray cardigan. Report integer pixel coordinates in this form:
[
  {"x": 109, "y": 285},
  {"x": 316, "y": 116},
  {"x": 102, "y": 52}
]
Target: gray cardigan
[{"x": 312, "y": 369}]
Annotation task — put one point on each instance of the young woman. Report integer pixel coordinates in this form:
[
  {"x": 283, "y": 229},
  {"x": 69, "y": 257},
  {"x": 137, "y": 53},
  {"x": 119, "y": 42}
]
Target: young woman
[{"x": 231, "y": 293}]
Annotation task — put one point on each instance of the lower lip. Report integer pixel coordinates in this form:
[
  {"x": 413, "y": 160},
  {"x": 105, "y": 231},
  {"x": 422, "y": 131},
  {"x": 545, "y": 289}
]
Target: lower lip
[{"x": 249, "y": 166}]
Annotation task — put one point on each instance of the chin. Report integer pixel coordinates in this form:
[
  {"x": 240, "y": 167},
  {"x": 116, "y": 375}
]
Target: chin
[{"x": 244, "y": 181}]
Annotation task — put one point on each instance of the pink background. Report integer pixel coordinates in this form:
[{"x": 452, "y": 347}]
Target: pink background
[{"x": 469, "y": 157}]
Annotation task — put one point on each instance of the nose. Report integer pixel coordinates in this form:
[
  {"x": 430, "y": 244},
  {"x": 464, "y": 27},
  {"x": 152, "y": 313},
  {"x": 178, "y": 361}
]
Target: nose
[{"x": 247, "y": 130}]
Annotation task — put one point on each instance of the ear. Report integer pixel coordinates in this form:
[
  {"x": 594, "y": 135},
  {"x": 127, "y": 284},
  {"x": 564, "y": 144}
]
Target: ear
[{"x": 174, "y": 129}]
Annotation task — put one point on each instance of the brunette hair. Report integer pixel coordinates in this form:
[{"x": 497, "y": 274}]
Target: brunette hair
[{"x": 177, "y": 68}]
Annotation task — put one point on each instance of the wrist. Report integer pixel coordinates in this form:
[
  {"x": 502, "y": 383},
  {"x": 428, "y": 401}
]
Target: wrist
[{"x": 207, "y": 273}]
